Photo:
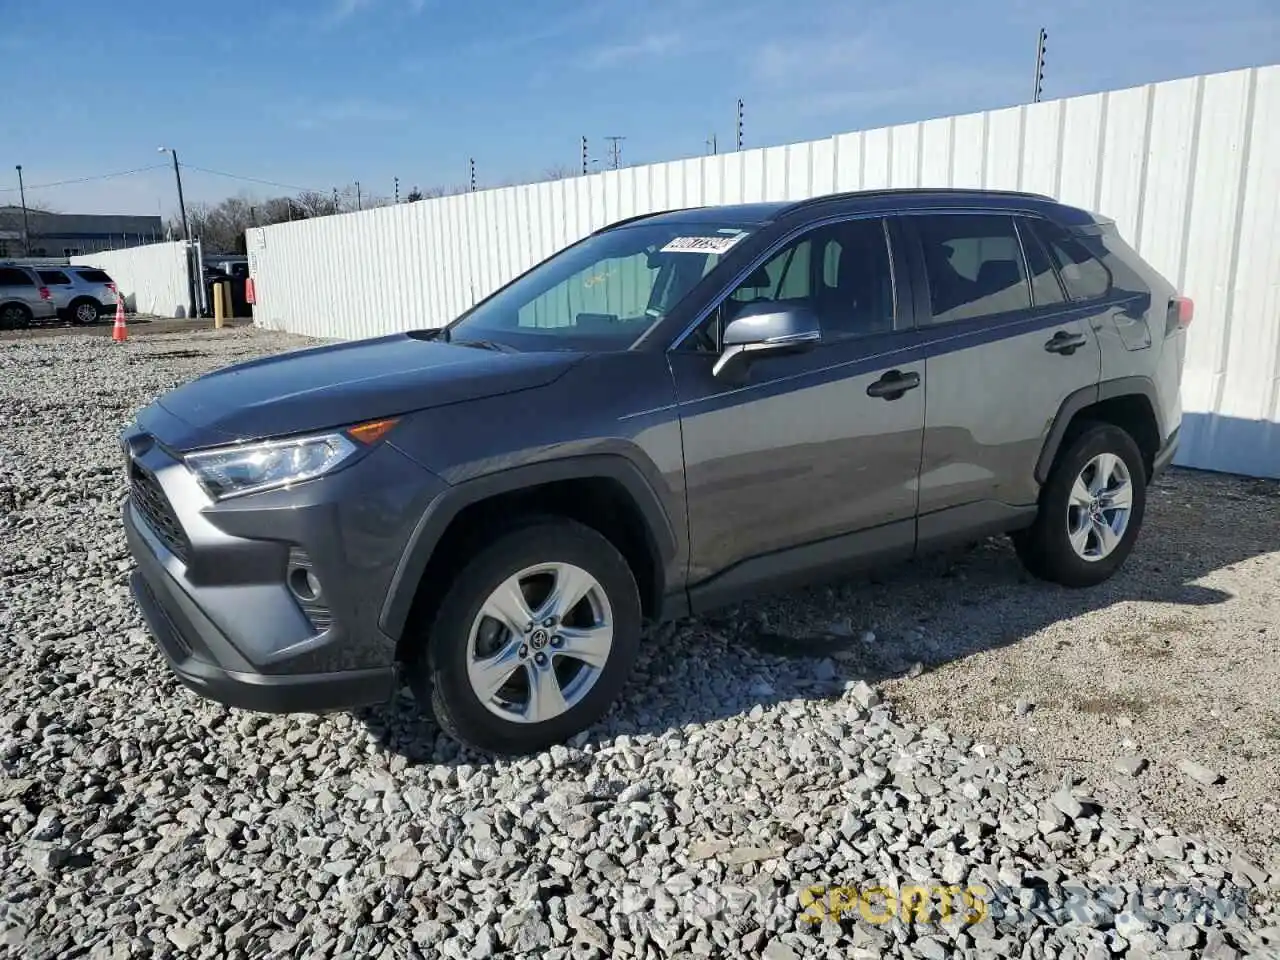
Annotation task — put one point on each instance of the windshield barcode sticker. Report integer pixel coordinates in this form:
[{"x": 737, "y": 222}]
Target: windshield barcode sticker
[{"x": 700, "y": 244}]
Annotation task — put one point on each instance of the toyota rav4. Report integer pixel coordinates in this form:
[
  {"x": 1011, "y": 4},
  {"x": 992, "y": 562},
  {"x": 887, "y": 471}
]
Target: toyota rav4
[{"x": 677, "y": 412}]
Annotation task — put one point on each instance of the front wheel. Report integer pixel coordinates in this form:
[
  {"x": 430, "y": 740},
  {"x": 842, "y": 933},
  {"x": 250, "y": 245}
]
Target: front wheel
[
  {"x": 1091, "y": 510},
  {"x": 533, "y": 640}
]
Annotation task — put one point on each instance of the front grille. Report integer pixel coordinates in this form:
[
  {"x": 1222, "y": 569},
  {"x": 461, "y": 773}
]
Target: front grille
[{"x": 149, "y": 498}]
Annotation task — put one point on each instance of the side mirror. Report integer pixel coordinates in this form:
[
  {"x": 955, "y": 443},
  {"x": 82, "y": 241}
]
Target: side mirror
[{"x": 767, "y": 328}]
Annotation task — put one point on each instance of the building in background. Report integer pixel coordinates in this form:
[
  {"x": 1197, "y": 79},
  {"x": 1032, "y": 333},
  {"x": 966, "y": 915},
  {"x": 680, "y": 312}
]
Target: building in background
[{"x": 71, "y": 234}]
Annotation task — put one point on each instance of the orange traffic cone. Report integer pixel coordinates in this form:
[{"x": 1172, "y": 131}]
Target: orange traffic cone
[{"x": 119, "y": 333}]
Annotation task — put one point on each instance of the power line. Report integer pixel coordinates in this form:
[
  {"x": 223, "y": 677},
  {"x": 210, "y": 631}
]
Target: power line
[
  {"x": 236, "y": 176},
  {"x": 101, "y": 176}
]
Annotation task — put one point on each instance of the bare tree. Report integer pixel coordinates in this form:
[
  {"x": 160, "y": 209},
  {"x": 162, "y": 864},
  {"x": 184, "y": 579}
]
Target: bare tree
[{"x": 559, "y": 171}]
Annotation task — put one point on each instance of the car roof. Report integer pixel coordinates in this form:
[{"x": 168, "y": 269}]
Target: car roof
[
  {"x": 743, "y": 214},
  {"x": 898, "y": 198}
]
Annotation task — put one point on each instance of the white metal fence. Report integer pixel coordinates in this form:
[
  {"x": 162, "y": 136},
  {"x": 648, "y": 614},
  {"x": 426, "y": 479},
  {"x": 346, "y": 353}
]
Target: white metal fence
[
  {"x": 1189, "y": 169},
  {"x": 152, "y": 278}
]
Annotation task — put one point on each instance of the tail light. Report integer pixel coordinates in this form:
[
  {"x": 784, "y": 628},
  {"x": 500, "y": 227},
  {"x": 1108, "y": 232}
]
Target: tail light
[
  {"x": 1181, "y": 312},
  {"x": 112, "y": 287},
  {"x": 1186, "y": 310},
  {"x": 45, "y": 294}
]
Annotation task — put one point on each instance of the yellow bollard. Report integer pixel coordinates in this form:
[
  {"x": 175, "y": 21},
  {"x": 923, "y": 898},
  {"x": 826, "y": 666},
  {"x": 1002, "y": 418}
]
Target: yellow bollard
[{"x": 219, "y": 304}]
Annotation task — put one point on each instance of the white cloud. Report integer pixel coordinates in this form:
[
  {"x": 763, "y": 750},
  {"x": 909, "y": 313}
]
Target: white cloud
[
  {"x": 647, "y": 47},
  {"x": 344, "y": 112}
]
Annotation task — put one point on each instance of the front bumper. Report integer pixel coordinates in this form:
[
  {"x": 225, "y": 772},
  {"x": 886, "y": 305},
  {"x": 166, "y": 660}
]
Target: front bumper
[
  {"x": 216, "y": 581},
  {"x": 206, "y": 661}
]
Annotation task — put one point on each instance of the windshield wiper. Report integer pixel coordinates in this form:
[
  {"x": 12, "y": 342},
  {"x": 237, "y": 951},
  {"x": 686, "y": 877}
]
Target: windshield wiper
[{"x": 484, "y": 345}]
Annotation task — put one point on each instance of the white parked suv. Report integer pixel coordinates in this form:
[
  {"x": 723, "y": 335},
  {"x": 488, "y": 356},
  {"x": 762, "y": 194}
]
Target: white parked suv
[{"x": 80, "y": 294}]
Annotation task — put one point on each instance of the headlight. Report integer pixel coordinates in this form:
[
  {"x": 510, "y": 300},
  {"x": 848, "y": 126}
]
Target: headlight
[{"x": 254, "y": 467}]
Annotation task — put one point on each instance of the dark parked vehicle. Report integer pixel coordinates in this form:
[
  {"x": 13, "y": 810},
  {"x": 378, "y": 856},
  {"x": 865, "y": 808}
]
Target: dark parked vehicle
[{"x": 679, "y": 411}]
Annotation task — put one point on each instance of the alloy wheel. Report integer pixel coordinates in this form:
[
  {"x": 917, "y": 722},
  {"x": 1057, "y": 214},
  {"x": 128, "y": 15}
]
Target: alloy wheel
[
  {"x": 1099, "y": 507},
  {"x": 540, "y": 642}
]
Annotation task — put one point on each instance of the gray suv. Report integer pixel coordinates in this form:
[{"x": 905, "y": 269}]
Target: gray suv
[
  {"x": 677, "y": 412},
  {"x": 23, "y": 297}
]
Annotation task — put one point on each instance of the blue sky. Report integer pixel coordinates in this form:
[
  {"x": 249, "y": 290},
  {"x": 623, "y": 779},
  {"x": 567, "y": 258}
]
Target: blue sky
[{"x": 319, "y": 93}]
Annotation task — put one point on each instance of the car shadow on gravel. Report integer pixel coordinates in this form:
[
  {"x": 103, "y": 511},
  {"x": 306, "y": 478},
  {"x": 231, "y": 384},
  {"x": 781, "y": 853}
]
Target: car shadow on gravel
[{"x": 896, "y": 622}]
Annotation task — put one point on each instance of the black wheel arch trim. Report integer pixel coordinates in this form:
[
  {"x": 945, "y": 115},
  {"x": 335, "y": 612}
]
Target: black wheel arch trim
[
  {"x": 442, "y": 511},
  {"x": 1085, "y": 397}
]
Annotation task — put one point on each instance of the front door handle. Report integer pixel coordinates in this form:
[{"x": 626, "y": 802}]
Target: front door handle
[
  {"x": 893, "y": 385},
  {"x": 1065, "y": 343}
]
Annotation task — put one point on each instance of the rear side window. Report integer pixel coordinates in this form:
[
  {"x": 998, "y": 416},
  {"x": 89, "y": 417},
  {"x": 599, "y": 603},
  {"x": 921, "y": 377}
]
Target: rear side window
[
  {"x": 974, "y": 265},
  {"x": 94, "y": 276},
  {"x": 1045, "y": 288},
  {"x": 15, "y": 278},
  {"x": 54, "y": 276},
  {"x": 1084, "y": 275}
]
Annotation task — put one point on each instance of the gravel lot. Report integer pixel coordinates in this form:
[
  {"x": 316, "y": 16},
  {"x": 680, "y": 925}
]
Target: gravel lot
[{"x": 748, "y": 797}]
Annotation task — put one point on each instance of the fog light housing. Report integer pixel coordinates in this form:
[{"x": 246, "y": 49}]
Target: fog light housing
[{"x": 305, "y": 585}]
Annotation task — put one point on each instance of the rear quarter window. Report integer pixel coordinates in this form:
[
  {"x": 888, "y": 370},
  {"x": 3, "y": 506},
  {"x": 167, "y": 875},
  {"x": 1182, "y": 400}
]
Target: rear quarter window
[
  {"x": 94, "y": 276},
  {"x": 1084, "y": 275}
]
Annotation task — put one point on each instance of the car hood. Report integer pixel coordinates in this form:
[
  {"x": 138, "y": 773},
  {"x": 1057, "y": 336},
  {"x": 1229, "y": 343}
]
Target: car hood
[{"x": 346, "y": 383}]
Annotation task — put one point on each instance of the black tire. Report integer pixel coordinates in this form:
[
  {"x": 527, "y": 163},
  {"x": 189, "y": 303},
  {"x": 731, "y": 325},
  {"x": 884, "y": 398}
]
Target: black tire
[
  {"x": 84, "y": 305},
  {"x": 1045, "y": 548},
  {"x": 437, "y": 673},
  {"x": 15, "y": 316}
]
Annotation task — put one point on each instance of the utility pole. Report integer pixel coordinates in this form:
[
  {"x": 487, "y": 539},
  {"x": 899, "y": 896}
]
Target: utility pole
[
  {"x": 26, "y": 229},
  {"x": 615, "y": 151},
  {"x": 584, "y": 156},
  {"x": 359, "y": 203},
  {"x": 186, "y": 235},
  {"x": 335, "y": 199},
  {"x": 711, "y": 142},
  {"x": 397, "y": 189},
  {"x": 1040, "y": 47},
  {"x": 182, "y": 204},
  {"x": 472, "y": 162},
  {"x": 739, "y": 124}
]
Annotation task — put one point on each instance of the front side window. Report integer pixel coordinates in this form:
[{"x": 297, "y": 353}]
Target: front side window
[
  {"x": 974, "y": 265},
  {"x": 605, "y": 292},
  {"x": 841, "y": 271}
]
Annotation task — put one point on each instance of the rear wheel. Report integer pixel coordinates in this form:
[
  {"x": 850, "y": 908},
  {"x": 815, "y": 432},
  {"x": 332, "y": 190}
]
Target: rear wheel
[
  {"x": 1091, "y": 509},
  {"x": 13, "y": 316},
  {"x": 533, "y": 640},
  {"x": 85, "y": 311}
]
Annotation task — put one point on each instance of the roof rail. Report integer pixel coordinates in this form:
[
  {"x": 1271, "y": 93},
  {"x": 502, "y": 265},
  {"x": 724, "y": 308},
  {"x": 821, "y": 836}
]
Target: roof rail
[{"x": 922, "y": 191}]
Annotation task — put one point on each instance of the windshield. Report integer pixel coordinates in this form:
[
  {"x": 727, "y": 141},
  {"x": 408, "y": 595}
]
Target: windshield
[{"x": 603, "y": 293}]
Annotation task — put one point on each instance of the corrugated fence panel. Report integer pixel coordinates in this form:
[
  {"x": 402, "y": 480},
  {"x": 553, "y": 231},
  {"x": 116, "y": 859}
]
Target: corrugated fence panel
[
  {"x": 153, "y": 278},
  {"x": 1189, "y": 170},
  {"x": 968, "y": 162},
  {"x": 936, "y": 156}
]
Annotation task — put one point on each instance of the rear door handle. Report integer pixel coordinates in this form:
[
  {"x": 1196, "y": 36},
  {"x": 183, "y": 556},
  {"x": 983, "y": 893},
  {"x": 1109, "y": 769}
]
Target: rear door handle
[
  {"x": 1065, "y": 343},
  {"x": 893, "y": 385}
]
